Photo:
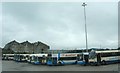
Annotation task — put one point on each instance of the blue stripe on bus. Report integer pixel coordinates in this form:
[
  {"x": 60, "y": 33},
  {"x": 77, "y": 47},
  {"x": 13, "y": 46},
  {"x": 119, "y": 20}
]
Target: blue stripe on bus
[
  {"x": 36, "y": 63},
  {"x": 69, "y": 63},
  {"x": 49, "y": 63},
  {"x": 113, "y": 61},
  {"x": 81, "y": 62},
  {"x": 107, "y": 62}
]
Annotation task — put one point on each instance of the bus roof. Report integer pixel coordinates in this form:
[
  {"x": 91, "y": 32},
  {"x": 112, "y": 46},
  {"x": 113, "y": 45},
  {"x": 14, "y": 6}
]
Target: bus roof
[
  {"x": 39, "y": 55},
  {"x": 86, "y": 53},
  {"x": 66, "y": 55},
  {"x": 69, "y": 55},
  {"x": 108, "y": 51},
  {"x": 8, "y": 54}
]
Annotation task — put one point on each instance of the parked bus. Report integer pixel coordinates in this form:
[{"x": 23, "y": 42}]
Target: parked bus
[
  {"x": 21, "y": 57},
  {"x": 100, "y": 57},
  {"x": 7, "y": 56},
  {"x": 37, "y": 59},
  {"x": 62, "y": 59},
  {"x": 29, "y": 58}
]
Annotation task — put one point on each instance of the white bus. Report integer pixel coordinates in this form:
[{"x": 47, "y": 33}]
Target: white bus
[
  {"x": 7, "y": 56},
  {"x": 37, "y": 59},
  {"x": 100, "y": 57},
  {"x": 21, "y": 57},
  {"x": 62, "y": 59}
]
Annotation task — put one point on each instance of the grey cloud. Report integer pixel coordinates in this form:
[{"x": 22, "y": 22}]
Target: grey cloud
[{"x": 60, "y": 25}]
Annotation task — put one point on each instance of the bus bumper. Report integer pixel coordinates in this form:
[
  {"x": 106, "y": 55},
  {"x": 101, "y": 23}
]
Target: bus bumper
[
  {"x": 36, "y": 63},
  {"x": 81, "y": 63},
  {"x": 66, "y": 63},
  {"x": 49, "y": 63}
]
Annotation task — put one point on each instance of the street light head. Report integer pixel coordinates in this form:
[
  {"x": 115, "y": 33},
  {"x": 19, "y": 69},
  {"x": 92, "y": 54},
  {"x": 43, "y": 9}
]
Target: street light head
[{"x": 84, "y": 4}]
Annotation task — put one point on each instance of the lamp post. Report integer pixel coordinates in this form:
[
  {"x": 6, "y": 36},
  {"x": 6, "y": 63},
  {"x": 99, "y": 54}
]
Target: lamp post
[{"x": 84, "y": 5}]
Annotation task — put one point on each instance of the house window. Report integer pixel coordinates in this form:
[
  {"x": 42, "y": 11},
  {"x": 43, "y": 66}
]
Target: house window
[{"x": 42, "y": 50}]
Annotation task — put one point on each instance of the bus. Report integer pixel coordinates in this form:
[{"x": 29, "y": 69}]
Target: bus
[
  {"x": 21, "y": 57},
  {"x": 61, "y": 59},
  {"x": 29, "y": 58},
  {"x": 7, "y": 56},
  {"x": 37, "y": 59},
  {"x": 100, "y": 57}
]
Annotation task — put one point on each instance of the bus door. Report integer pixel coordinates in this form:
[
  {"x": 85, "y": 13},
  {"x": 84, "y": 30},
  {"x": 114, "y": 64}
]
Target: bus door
[
  {"x": 98, "y": 58},
  {"x": 43, "y": 59},
  {"x": 86, "y": 58},
  {"x": 54, "y": 60}
]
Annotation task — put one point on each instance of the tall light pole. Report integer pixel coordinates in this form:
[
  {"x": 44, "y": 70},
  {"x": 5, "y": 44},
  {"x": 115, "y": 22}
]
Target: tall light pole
[{"x": 84, "y": 5}]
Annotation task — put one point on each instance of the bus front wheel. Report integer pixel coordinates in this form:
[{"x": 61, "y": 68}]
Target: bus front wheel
[
  {"x": 59, "y": 63},
  {"x": 75, "y": 62},
  {"x": 104, "y": 62}
]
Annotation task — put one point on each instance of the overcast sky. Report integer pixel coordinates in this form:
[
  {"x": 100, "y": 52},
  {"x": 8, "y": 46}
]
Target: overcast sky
[{"x": 61, "y": 24}]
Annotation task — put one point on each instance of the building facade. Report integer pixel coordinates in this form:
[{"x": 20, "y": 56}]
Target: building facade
[{"x": 26, "y": 47}]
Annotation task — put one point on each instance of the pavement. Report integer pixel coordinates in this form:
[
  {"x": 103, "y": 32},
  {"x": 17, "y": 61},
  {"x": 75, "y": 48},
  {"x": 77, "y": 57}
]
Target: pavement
[{"x": 17, "y": 66}]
